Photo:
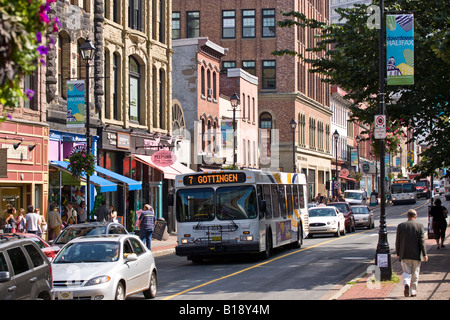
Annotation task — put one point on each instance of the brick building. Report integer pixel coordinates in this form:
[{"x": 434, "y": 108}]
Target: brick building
[{"x": 286, "y": 89}]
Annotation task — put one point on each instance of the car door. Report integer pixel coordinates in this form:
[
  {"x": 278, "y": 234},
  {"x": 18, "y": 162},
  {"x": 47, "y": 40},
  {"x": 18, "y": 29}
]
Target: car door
[
  {"x": 22, "y": 273},
  {"x": 143, "y": 267},
  {"x": 7, "y": 287},
  {"x": 131, "y": 268}
]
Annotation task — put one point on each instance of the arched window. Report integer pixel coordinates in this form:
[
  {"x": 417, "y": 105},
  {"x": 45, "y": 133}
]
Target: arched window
[
  {"x": 265, "y": 120},
  {"x": 134, "y": 90}
]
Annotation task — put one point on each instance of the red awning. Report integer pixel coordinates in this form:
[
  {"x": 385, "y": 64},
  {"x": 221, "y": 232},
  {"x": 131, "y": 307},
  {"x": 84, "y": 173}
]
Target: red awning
[{"x": 169, "y": 172}]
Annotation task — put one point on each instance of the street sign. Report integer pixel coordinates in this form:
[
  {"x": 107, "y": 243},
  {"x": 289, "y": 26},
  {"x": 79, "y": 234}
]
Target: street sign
[{"x": 380, "y": 126}]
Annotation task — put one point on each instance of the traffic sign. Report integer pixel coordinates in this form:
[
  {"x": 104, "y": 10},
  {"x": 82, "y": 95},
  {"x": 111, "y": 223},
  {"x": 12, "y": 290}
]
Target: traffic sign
[{"x": 380, "y": 127}]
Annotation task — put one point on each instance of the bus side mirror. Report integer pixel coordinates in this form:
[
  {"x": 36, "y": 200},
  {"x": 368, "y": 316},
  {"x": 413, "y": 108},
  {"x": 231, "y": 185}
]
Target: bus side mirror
[
  {"x": 262, "y": 206},
  {"x": 170, "y": 199}
]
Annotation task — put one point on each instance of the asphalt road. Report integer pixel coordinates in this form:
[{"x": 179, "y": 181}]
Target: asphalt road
[{"x": 312, "y": 272}]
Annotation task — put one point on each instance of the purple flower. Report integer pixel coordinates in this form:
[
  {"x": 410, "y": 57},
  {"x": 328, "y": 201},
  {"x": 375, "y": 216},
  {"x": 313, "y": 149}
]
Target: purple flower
[
  {"x": 29, "y": 93},
  {"x": 38, "y": 37},
  {"x": 43, "y": 50}
]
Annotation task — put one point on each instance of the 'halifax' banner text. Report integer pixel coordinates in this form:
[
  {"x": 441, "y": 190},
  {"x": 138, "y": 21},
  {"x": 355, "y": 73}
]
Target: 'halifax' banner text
[{"x": 400, "y": 49}]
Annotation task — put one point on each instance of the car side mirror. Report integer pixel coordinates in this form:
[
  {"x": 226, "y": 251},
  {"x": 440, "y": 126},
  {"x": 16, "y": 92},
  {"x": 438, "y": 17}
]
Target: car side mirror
[
  {"x": 4, "y": 276},
  {"x": 131, "y": 257}
]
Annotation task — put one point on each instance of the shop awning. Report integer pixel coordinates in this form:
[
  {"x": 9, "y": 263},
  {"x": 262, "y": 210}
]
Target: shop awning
[
  {"x": 132, "y": 184},
  {"x": 169, "y": 172},
  {"x": 105, "y": 185}
]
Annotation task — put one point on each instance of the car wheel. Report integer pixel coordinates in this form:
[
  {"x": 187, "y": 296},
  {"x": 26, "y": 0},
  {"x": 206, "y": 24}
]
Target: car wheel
[
  {"x": 120, "y": 292},
  {"x": 150, "y": 293}
]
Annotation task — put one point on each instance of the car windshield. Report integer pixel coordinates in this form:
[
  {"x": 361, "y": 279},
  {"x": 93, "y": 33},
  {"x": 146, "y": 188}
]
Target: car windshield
[
  {"x": 341, "y": 206},
  {"x": 72, "y": 233},
  {"x": 353, "y": 195},
  {"x": 323, "y": 212},
  {"x": 360, "y": 210},
  {"x": 85, "y": 252}
]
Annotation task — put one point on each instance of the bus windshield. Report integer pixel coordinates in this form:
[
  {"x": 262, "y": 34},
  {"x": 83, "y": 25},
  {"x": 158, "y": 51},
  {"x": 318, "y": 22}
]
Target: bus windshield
[
  {"x": 403, "y": 188},
  {"x": 231, "y": 203},
  {"x": 195, "y": 205},
  {"x": 236, "y": 203}
]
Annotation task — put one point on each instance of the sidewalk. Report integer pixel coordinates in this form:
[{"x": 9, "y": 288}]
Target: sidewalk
[
  {"x": 163, "y": 247},
  {"x": 434, "y": 279}
]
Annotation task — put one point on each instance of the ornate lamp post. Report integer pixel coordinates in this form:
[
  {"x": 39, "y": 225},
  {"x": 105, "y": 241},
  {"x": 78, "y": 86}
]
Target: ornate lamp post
[
  {"x": 87, "y": 53},
  {"x": 336, "y": 138},
  {"x": 235, "y": 102},
  {"x": 293, "y": 125}
]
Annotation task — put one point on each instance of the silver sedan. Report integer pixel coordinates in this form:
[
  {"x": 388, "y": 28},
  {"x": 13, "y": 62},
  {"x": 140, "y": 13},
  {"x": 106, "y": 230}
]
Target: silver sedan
[
  {"x": 104, "y": 267},
  {"x": 363, "y": 216}
]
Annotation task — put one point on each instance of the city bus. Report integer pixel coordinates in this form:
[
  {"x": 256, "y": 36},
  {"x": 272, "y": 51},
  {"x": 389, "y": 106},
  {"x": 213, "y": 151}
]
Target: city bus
[
  {"x": 239, "y": 211},
  {"x": 403, "y": 191}
]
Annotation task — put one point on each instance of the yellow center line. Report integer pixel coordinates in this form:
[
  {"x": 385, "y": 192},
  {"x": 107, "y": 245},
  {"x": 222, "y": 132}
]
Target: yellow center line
[{"x": 271, "y": 260}]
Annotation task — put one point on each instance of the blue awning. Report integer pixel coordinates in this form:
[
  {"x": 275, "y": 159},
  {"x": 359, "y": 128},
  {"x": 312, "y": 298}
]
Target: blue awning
[
  {"x": 118, "y": 178},
  {"x": 105, "y": 185}
]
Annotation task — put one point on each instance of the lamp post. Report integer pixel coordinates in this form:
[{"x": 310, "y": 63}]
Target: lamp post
[
  {"x": 383, "y": 255},
  {"x": 336, "y": 138},
  {"x": 87, "y": 53},
  {"x": 235, "y": 101},
  {"x": 358, "y": 140},
  {"x": 293, "y": 125}
]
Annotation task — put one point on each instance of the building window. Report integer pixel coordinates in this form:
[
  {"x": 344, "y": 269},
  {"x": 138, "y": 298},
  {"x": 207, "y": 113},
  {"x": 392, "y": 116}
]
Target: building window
[
  {"x": 162, "y": 21},
  {"x": 268, "y": 74},
  {"x": 249, "y": 66},
  {"x": 248, "y": 23},
  {"x": 30, "y": 82},
  {"x": 134, "y": 90},
  {"x": 265, "y": 121},
  {"x": 227, "y": 65},
  {"x": 268, "y": 23},
  {"x": 176, "y": 25},
  {"x": 193, "y": 24},
  {"x": 228, "y": 24},
  {"x": 115, "y": 86},
  {"x": 63, "y": 63},
  {"x": 135, "y": 14},
  {"x": 203, "y": 82}
]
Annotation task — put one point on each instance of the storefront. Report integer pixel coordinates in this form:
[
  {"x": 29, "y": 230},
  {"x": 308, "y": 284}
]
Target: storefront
[{"x": 23, "y": 165}]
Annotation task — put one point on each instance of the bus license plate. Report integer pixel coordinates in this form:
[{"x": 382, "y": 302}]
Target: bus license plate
[{"x": 216, "y": 238}]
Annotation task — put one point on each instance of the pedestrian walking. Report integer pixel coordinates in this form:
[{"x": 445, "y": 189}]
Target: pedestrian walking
[
  {"x": 20, "y": 221},
  {"x": 103, "y": 213},
  {"x": 31, "y": 220},
  {"x": 11, "y": 219},
  {"x": 411, "y": 251},
  {"x": 439, "y": 224},
  {"x": 54, "y": 222},
  {"x": 42, "y": 224},
  {"x": 146, "y": 224},
  {"x": 71, "y": 214},
  {"x": 82, "y": 212}
]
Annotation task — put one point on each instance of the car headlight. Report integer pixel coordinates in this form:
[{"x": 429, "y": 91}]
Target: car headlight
[
  {"x": 98, "y": 280},
  {"x": 332, "y": 222}
]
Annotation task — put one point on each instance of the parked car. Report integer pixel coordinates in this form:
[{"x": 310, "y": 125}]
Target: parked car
[
  {"x": 106, "y": 267},
  {"x": 326, "y": 219},
  {"x": 346, "y": 209},
  {"x": 355, "y": 197},
  {"x": 49, "y": 251},
  {"x": 363, "y": 216},
  {"x": 25, "y": 272},
  {"x": 88, "y": 229}
]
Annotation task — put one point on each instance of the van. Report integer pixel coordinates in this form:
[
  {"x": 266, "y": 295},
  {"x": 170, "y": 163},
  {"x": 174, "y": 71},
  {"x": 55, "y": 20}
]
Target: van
[
  {"x": 355, "y": 196},
  {"x": 25, "y": 272}
]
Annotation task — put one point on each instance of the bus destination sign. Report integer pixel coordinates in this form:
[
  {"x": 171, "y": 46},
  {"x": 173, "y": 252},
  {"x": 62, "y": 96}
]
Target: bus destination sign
[{"x": 215, "y": 178}]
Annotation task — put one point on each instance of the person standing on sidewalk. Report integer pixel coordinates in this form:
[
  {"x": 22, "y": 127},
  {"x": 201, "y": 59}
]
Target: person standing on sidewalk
[
  {"x": 439, "y": 213},
  {"x": 411, "y": 251},
  {"x": 146, "y": 224}
]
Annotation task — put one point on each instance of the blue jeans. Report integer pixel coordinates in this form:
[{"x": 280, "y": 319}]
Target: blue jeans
[{"x": 146, "y": 237}]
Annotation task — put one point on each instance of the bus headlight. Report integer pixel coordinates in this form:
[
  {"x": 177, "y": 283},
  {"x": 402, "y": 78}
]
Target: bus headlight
[
  {"x": 247, "y": 237},
  {"x": 187, "y": 240}
]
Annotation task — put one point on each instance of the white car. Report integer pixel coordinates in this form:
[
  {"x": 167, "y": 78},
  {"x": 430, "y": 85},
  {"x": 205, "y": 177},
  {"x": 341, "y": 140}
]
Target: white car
[
  {"x": 105, "y": 267},
  {"x": 355, "y": 196},
  {"x": 326, "y": 220}
]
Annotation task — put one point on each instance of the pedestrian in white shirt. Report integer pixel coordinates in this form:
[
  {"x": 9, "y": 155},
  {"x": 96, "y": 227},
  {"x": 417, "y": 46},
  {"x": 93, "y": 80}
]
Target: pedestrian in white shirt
[{"x": 32, "y": 220}]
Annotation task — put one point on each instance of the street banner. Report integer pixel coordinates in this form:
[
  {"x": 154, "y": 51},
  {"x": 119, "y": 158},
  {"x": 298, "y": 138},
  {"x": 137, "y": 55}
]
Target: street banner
[
  {"x": 400, "y": 49},
  {"x": 75, "y": 104}
]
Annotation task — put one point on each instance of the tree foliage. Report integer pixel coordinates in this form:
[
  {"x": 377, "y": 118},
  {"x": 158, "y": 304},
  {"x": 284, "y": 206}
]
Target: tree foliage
[{"x": 350, "y": 60}]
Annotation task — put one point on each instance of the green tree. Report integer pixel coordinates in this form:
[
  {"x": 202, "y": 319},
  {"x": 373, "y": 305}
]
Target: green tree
[
  {"x": 25, "y": 29},
  {"x": 349, "y": 59}
]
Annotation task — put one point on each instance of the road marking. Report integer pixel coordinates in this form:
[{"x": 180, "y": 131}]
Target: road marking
[{"x": 274, "y": 259}]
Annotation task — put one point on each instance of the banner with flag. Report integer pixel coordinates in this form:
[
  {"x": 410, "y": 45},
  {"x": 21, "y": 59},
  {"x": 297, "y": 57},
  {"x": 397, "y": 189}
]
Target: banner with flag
[
  {"x": 400, "y": 49},
  {"x": 75, "y": 104}
]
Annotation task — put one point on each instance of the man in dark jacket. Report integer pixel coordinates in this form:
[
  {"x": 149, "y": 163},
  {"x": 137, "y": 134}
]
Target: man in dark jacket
[
  {"x": 411, "y": 251},
  {"x": 146, "y": 224}
]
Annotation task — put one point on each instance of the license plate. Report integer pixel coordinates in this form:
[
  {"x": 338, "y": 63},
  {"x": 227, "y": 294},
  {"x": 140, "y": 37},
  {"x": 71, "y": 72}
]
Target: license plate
[
  {"x": 218, "y": 238},
  {"x": 65, "y": 295}
]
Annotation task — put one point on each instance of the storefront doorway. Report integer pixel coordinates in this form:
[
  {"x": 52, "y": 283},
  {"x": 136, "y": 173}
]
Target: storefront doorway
[{"x": 10, "y": 196}]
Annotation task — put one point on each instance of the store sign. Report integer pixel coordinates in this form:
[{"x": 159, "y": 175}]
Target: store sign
[
  {"x": 164, "y": 158},
  {"x": 123, "y": 140}
]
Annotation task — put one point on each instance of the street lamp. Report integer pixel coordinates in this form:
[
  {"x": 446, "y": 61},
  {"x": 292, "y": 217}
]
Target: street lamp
[
  {"x": 358, "y": 140},
  {"x": 235, "y": 102},
  {"x": 293, "y": 125},
  {"x": 87, "y": 53},
  {"x": 336, "y": 137}
]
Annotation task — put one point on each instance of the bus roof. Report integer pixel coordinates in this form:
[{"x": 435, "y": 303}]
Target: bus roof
[{"x": 218, "y": 177}]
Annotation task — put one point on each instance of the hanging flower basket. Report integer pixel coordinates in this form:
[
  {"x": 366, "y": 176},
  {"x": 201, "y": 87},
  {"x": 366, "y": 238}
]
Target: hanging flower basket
[{"x": 81, "y": 162}]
